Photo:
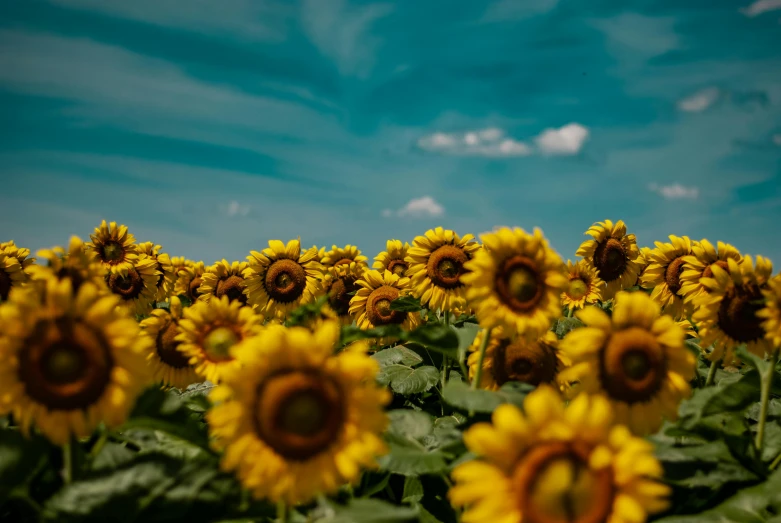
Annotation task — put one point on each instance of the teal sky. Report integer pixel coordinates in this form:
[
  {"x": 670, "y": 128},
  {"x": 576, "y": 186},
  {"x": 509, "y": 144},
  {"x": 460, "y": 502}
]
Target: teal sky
[{"x": 212, "y": 126}]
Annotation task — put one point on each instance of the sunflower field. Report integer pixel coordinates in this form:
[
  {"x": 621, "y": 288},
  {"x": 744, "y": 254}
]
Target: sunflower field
[{"x": 452, "y": 380}]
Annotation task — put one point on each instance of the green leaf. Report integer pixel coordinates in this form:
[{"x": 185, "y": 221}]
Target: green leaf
[
  {"x": 158, "y": 410},
  {"x": 460, "y": 395},
  {"x": 186, "y": 301},
  {"x": 413, "y": 490},
  {"x": 411, "y": 424},
  {"x": 111, "y": 456},
  {"x": 564, "y": 325},
  {"x": 406, "y": 380},
  {"x": 411, "y": 461},
  {"x": 435, "y": 336},
  {"x": 427, "y": 517},
  {"x": 398, "y": 354},
  {"x": 370, "y": 511},
  {"x": 20, "y": 457},
  {"x": 466, "y": 335},
  {"x": 728, "y": 396},
  {"x": 406, "y": 304}
]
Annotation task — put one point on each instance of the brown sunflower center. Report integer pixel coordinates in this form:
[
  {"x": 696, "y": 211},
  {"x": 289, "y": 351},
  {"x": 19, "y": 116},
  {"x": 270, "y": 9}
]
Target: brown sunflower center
[
  {"x": 218, "y": 342},
  {"x": 446, "y": 265},
  {"x": 556, "y": 485},
  {"x": 398, "y": 267},
  {"x": 340, "y": 294},
  {"x": 69, "y": 373},
  {"x": 708, "y": 272},
  {"x": 633, "y": 365},
  {"x": 5, "y": 284},
  {"x": 167, "y": 347},
  {"x": 529, "y": 362},
  {"x": 673, "y": 274},
  {"x": 299, "y": 413},
  {"x": 610, "y": 259},
  {"x": 193, "y": 289},
  {"x": 577, "y": 289},
  {"x": 233, "y": 288},
  {"x": 738, "y": 313},
  {"x": 378, "y": 306},
  {"x": 75, "y": 276},
  {"x": 518, "y": 284},
  {"x": 128, "y": 287},
  {"x": 113, "y": 252},
  {"x": 285, "y": 281}
]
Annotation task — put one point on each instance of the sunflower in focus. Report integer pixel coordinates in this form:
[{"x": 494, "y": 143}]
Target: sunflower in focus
[
  {"x": 393, "y": 258},
  {"x": 727, "y": 314},
  {"x": 209, "y": 329},
  {"x": 189, "y": 280},
  {"x": 515, "y": 282},
  {"x": 282, "y": 278},
  {"x": 643, "y": 260},
  {"x": 349, "y": 255},
  {"x": 370, "y": 307},
  {"x": 165, "y": 279},
  {"x": 169, "y": 365},
  {"x": 614, "y": 254},
  {"x": 584, "y": 286},
  {"x": 663, "y": 274},
  {"x": 549, "y": 464},
  {"x": 436, "y": 263},
  {"x": 224, "y": 279},
  {"x": 137, "y": 287},
  {"x": 771, "y": 313},
  {"x": 699, "y": 264},
  {"x": 518, "y": 359},
  {"x": 114, "y": 247},
  {"x": 73, "y": 263},
  {"x": 296, "y": 421},
  {"x": 70, "y": 360},
  {"x": 340, "y": 284},
  {"x": 636, "y": 358}
]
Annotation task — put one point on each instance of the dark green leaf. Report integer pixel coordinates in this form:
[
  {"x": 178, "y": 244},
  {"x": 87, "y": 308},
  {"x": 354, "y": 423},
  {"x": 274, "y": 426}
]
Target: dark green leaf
[
  {"x": 158, "y": 410},
  {"x": 564, "y": 325},
  {"x": 410, "y": 461},
  {"x": 406, "y": 304},
  {"x": 413, "y": 490},
  {"x": 370, "y": 511},
  {"x": 436, "y": 336},
  {"x": 466, "y": 335},
  {"x": 398, "y": 354},
  {"x": 186, "y": 301},
  {"x": 19, "y": 458},
  {"x": 111, "y": 456},
  {"x": 461, "y": 396},
  {"x": 406, "y": 380},
  {"x": 412, "y": 424}
]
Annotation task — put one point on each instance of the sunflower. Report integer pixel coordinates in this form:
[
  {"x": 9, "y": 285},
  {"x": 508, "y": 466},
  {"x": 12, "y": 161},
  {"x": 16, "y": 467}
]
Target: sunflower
[
  {"x": 281, "y": 278},
  {"x": 165, "y": 280},
  {"x": 74, "y": 263},
  {"x": 70, "y": 360},
  {"x": 370, "y": 307},
  {"x": 137, "y": 286},
  {"x": 518, "y": 359},
  {"x": 393, "y": 258},
  {"x": 324, "y": 315},
  {"x": 666, "y": 263},
  {"x": 436, "y": 263},
  {"x": 189, "y": 280},
  {"x": 614, "y": 254},
  {"x": 584, "y": 286},
  {"x": 771, "y": 313},
  {"x": 12, "y": 274},
  {"x": 295, "y": 420},
  {"x": 348, "y": 255},
  {"x": 727, "y": 314},
  {"x": 113, "y": 247},
  {"x": 636, "y": 358},
  {"x": 515, "y": 282},
  {"x": 209, "y": 329},
  {"x": 19, "y": 253},
  {"x": 224, "y": 279},
  {"x": 699, "y": 265},
  {"x": 643, "y": 260},
  {"x": 340, "y": 284},
  {"x": 550, "y": 464}
]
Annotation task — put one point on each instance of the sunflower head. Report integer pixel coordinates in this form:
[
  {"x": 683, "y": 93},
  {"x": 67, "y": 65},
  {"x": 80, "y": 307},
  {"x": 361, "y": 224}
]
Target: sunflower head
[
  {"x": 165, "y": 279},
  {"x": 294, "y": 419},
  {"x": 348, "y": 255},
  {"x": 189, "y": 280},
  {"x": 393, "y": 258},
  {"x": 643, "y": 260},
  {"x": 340, "y": 284},
  {"x": 224, "y": 279},
  {"x": 12, "y": 273},
  {"x": 613, "y": 253},
  {"x": 370, "y": 307},
  {"x": 699, "y": 264},
  {"x": 114, "y": 247},
  {"x": 73, "y": 263},
  {"x": 136, "y": 286},
  {"x": 666, "y": 264},
  {"x": 549, "y": 463},
  {"x": 583, "y": 286},
  {"x": 771, "y": 313}
]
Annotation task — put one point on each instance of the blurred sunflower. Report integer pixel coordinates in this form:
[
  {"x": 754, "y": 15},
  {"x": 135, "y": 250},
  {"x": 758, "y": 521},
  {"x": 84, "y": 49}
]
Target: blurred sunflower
[
  {"x": 643, "y": 260},
  {"x": 136, "y": 287},
  {"x": 324, "y": 315},
  {"x": 370, "y": 307},
  {"x": 727, "y": 314},
  {"x": 170, "y": 366},
  {"x": 436, "y": 263},
  {"x": 165, "y": 279},
  {"x": 114, "y": 247},
  {"x": 208, "y": 330},
  {"x": 295, "y": 420},
  {"x": 688, "y": 328},
  {"x": 74, "y": 264},
  {"x": 282, "y": 278},
  {"x": 636, "y": 358},
  {"x": 614, "y": 254},
  {"x": 70, "y": 360},
  {"x": 340, "y": 285},
  {"x": 515, "y": 282},
  {"x": 20, "y": 253},
  {"x": 349, "y": 255},
  {"x": 224, "y": 279},
  {"x": 584, "y": 286},
  {"x": 189, "y": 280},
  {"x": 12, "y": 274},
  {"x": 663, "y": 274},
  {"x": 699, "y": 265},
  {"x": 771, "y": 313},
  {"x": 518, "y": 359},
  {"x": 393, "y": 258},
  {"x": 549, "y": 464}
]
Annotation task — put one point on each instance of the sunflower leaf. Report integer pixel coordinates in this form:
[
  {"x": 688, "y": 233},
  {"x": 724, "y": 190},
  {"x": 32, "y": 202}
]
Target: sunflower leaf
[
  {"x": 413, "y": 490},
  {"x": 369, "y": 511},
  {"x": 406, "y": 380},
  {"x": 435, "y": 336},
  {"x": 564, "y": 325},
  {"x": 406, "y": 304},
  {"x": 410, "y": 461},
  {"x": 167, "y": 412},
  {"x": 20, "y": 457},
  {"x": 460, "y": 395},
  {"x": 398, "y": 354},
  {"x": 412, "y": 424}
]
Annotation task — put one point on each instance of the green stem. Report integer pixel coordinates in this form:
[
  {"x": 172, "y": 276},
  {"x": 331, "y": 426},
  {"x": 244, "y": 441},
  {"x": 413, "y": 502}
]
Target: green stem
[
  {"x": 483, "y": 346},
  {"x": 99, "y": 444},
  {"x": 775, "y": 463},
  {"x": 569, "y": 312},
  {"x": 714, "y": 366},
  {"x": 767, "y": 384},
  {"x": 447, "y": 317},
  {"x": 67, "y": 462},
  {"x": 282, "y": 512}
]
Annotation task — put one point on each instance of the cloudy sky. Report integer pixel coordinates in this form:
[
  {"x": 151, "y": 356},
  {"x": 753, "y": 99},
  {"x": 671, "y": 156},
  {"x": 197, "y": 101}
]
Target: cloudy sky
[{"x": 212, "y": 126}]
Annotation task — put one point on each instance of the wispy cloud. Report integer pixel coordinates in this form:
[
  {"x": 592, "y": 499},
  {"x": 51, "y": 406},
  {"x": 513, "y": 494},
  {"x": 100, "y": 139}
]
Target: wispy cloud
[
  {"x": 675, "y": 191},
  {"x": 425, "y": 206},
  {"x": 761, "y": 6},
  {"x": 566, "y": 140},
  {"x": 700, "y": 100},
  {"x": 234, "y": 208},
  {"x": 513, "y": 10},
  {"x": 777, "y": 139},
  {"x": 490, "y": 142}
]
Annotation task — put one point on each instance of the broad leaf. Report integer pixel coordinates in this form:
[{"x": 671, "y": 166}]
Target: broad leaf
[
  {"x": 398, "y": 354},
  {"x": 406, "y": 380}
]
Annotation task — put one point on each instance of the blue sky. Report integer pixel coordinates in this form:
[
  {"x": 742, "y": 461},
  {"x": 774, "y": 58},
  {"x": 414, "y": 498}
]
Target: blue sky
[{"x": 213, "y": 126}]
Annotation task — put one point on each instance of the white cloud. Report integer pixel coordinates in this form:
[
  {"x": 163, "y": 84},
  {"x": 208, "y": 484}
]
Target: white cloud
[
  {"x": 777, "y": 139},
  {"x": 417, "y": 208},
  {"x": 566, "y": 140},
  {"x": 675, "y": 191},
  {"x": 761, "y": 6},
  {"x": 490, "y": 142},
  {"x": 700, "y": 100},
  {"x": 234, "y": 208}
]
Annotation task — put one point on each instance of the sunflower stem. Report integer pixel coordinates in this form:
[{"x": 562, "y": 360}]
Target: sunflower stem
[
  {"x": 98, "y": 446},
  {"x": 569, "y": 312},
  {"x": 67, "y": 462},
  {"x": 483, "y": 347},
  {"x": 767, "y": 384},
  {"x": 714, "y": 366},
  {"x": 282, "y": 512},
  {"x": 447, "y": 317},
  {"x": 775, "y": 463}
]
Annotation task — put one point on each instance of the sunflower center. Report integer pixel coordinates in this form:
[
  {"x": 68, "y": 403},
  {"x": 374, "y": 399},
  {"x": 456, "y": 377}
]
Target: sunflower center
[
  {"x": 113, "y": 252},
  {"x": 167, "y": 347},
  {"x": 218, "y": 342},
  {"x": 378, "y": 306},
  {"x": 633, "y": 365},
  {"x": 233, "y": 288},
  {"x": 128, "y": 287},
  {"x": 446, "y": 265},
  {"x": 5, "y": 284},
  {"x": 299, "y": 414},
  {"x": 518, "y": 285},
  {"x": 285, "y": 280},
  {"x": 397, "y": 267},
  {"x": 529, "y": 362},
  {"x": 556, "y": 485},
  {"x": 673, "y": 274},
  {"x": 192, "y": 289},
  {"x": 339, "y": 295},
  {"x": 577, "y": 289},
  {"x": 738, "y": 313},
  {"x": 610, "y": 259},
  {"x": 708, "y": 272}
]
